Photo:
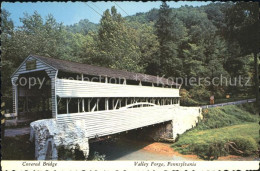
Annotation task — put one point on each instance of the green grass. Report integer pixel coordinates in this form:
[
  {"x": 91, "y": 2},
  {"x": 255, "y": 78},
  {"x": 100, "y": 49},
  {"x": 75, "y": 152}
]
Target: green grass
[
  {"x": 224, "y": 130},
  {"x": 226, "y": 116}
]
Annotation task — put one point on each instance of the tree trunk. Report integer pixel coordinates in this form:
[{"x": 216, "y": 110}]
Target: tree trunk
[{"x": 256, "y": 81}]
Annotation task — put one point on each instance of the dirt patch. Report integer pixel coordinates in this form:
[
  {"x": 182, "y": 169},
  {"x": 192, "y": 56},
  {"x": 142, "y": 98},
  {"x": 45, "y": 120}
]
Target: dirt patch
[
  {"x": 164, "y": 148},
  {"x": 237, "y": 158}
]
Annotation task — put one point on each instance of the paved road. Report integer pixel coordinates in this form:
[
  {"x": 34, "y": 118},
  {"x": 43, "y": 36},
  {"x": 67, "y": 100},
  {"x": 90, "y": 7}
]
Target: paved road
[
  {"x": 17, "y": 131},
  {"x": 230, "y": 103}
]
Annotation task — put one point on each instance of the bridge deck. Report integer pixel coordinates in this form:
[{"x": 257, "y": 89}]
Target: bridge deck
[{"x": 101, "y": 123}]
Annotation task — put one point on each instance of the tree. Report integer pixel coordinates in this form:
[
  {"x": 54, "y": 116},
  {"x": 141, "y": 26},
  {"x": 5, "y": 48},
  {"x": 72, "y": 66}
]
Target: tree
[
  {"x": 7, "y": 63},
  {"x": 115, "y": 44},
  {"x": 168, "y": 64},
  {"x": 35, "y": 36},
  {"x": 243, "y": 26},
  {"x": 83, "y": 27}
]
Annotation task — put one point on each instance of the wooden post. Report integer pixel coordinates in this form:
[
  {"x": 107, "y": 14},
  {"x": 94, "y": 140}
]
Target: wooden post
[
  {"x": 113, "y": 103},
  {"x": 126, "y": 101},
  {"x": 78, "y": 106},
  {"x": 16, "y": 101},
  {"x": 83, "y": 105},
  {"x": 106, "y": 104},
  {"x": 82, "y": 101},
  {"x": 88, "y": 105},
  {"x": 97, "y": 105},
  {"x": 82, "y": 77},
  {"x": 67, "y": 102},
  {"x": 120, "y": 103}
]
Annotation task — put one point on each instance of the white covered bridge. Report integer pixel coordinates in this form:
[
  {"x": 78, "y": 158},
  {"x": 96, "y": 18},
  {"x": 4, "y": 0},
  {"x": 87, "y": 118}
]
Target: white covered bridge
[{"x": 102, "y": 101}]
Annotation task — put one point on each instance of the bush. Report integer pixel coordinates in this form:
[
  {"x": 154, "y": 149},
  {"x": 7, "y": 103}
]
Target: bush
[
  {"x": 249, "y": 107},
  {"x": 186, "y": 99},
  {"x": 199, "y": 93},
  {"x": 212, "y": 143},
  {"x": 210, "y": 151},
  {"x": 245, "y": 144}
]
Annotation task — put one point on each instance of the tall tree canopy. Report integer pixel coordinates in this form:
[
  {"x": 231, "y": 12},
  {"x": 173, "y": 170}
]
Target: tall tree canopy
[
  {"x": 243, "y": 27},
  {"x": 115, "y": 44},
  {"x": 208, "y": 41}
]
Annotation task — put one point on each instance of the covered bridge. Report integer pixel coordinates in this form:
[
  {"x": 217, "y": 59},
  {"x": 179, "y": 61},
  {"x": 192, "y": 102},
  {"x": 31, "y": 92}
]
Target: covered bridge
[
  {"x": 45, "y": 87},
  {"x": 85, "y": 102}
]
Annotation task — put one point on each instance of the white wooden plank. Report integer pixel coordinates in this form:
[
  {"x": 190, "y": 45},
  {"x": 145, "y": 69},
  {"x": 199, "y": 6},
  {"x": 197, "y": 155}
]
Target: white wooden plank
[
  {"x": 73, "y": 88},
  {"x": 102, "y": 123}
]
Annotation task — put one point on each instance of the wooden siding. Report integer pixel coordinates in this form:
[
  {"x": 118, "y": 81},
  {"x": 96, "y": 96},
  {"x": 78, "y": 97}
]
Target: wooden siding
[
  {"x": 74, "y": 88},
  {"x": 53, "y": 75},
  {"x": 40, "y": 66},
  {"x": 15, "y": 99},
  {"x": 103, "y": 123}
]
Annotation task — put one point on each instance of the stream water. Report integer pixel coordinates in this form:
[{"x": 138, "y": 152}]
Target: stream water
[{"x": 134, "y": 150}]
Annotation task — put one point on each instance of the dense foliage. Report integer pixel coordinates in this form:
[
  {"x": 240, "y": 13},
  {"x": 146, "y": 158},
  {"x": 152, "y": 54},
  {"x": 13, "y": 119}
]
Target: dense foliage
[{"x": 176, "y": 42}]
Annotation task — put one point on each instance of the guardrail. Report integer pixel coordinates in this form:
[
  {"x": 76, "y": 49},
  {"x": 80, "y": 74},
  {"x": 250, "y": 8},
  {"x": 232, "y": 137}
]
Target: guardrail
[{"x": 229, "y": 103}]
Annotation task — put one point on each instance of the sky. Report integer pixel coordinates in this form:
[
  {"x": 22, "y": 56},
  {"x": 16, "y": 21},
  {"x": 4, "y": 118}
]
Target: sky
[{"x": 72, "y": 12}]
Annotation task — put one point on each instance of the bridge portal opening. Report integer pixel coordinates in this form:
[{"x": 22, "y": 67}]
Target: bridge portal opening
[{"x": 34, "y": 95}]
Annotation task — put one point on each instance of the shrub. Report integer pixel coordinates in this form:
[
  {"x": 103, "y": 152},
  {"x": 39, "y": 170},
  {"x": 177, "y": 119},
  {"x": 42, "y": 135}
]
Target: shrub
[
  {"x": 186, "y": 99},
  {"x": 199, "y": 93},
  {"x": 210, "y": 151},
  {"x": 249, "y": 107},
  {"x": 210, "y": 144},
  {"x": 244, "y": 146},
  {"x": 247, "y": 145}
]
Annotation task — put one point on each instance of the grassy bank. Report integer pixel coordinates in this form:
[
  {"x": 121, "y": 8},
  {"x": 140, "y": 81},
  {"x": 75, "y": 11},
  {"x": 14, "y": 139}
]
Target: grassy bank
[{"x": 224, "y": 130}]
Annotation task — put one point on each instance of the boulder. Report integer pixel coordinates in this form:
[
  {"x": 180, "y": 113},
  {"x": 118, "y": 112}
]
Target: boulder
[{"x": 49, "y": 136}]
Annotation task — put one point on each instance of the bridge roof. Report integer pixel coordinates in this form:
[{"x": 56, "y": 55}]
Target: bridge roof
[{"x": 75, "y": 67}]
